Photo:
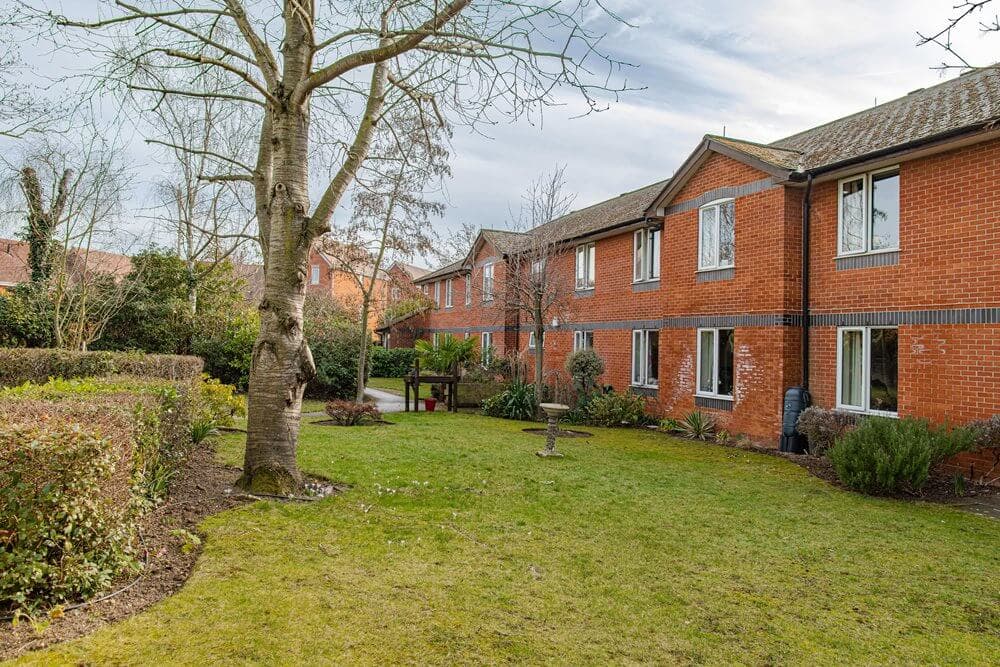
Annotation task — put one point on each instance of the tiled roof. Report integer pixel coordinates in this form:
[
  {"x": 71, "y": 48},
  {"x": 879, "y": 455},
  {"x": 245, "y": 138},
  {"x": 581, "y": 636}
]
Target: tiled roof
[
  {"x": 779, "y": 157},
  {"x": 454, "y": 267},
  {"x": 962, "y": 102},
  {"x": 14, "y": 262},
  {"x": 414, "y": 271},
  {"x": 504, "y": 241},
  {"x": 624, "y": 208}
]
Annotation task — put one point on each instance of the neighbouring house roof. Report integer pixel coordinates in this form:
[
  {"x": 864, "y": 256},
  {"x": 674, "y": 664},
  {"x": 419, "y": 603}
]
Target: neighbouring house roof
[
  {"x": 968, "y": 101},
  {"x": 355, "y": 258},
  {"x": 80, "y": 263},
  {"x": 413, "y": 271},
  {"x": 448, "y": 269},
  {"x": 252, "y": 276},
  {"x": 397, "y": 320}
]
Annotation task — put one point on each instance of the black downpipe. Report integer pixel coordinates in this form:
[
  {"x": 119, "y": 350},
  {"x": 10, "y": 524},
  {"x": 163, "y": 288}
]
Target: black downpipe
[{"x": 806, "y": 206}]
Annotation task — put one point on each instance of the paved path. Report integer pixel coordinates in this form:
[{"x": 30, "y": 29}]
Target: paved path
[{"x": 386, "y": 401}]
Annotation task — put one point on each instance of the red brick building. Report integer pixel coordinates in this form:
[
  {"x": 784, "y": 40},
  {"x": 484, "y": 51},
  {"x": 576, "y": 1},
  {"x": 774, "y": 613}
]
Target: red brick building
[{"x": 699, "y": 292}]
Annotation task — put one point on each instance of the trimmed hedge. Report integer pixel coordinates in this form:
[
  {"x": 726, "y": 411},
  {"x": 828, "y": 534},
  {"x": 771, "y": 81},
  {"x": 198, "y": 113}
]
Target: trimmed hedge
[
  {"x": 36, "y": 365},
  {"x": 80, "y": 462},
  {"x": 392, "y": 363}
]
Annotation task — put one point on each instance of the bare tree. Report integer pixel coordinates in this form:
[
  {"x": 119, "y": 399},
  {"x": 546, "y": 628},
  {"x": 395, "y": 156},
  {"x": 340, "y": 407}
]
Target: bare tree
[
  {"x": 73, "y": 193},
  {"x": 23, "y": 110},
  {"x": 455, "y": 245},
  {"x": 538, "y": 289},
  {"x": 965, "y": 12},
  {"x": 392, "y": 213},
  {"x": 347, "y": 65},
  {"x": 211, "y": 221}
]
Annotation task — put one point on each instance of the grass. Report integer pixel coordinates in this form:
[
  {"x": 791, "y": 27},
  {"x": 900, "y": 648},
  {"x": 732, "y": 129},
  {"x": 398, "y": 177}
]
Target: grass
[
  {"x": 457, "y": 544},
  {"x": 393, "y": 385}
]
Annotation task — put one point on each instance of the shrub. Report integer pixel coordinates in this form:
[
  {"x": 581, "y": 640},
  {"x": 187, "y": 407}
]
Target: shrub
[
  {"x": 217, "y": 404},
  {"x": 987, "y": 433},
  {"x": 67, "y": 526},
  {"x": 26, "y": 316},
  {"x": 392, "y": 363},
  {"x": 823, "y": 428},
  {"x": 336, "y": 342},
  {"x": 352, "y": 413},
  {"x": 515, "y": 402},
  {"x": 228, "y": 348},
  {"x": 584, "y": 367},
  {"x": 616, "y": 409},
  {"x": 80, "y": 460},
  {"x": 884, "y": 456},
  {"x": 20, "y": 365},
  {"x": 698, "y": 425},
  {"x": 670, "y": 425}
]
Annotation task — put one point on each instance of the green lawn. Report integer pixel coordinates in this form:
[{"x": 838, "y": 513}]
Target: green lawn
[
  {"x": 457, "y": 545},
  {"x": 394, "y": 385}
]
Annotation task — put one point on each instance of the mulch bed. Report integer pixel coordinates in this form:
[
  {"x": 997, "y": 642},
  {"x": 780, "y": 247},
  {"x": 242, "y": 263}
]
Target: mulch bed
[
  {"x": 201, "y": 488},
  {"x": 330, "y": 422},
  {"x": 940, "y": 487}
]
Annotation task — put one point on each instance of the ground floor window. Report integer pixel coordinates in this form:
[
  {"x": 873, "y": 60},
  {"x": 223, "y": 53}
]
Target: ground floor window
[
  {"x": 388, "y": 341},
  {"x": 583, "y": 340},
  {"x": 868, "y": 369},
  {"x": 487, "y": 348},
  {"x": 645, "y": 358},
  {"x": 716, "y": 356},
  {"x": 437, "y": 340}
]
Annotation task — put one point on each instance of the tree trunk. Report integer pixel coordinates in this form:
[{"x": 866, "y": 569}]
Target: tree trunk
[
  {"x": 282, "y": 363},
  {"x": 363, "y": 352}
]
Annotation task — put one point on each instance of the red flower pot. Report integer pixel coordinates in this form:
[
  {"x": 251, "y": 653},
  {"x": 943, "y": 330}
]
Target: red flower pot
[{"x": 430, "y": 404}]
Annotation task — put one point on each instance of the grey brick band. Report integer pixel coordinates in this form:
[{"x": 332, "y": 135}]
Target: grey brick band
[
  {"x": 722, "y": 193},
  {"x": 868, "y": 261},
  {"x": 646, "y": 286},
  {"x": 718, "y": 274},
  {"x": 904, "y": 317}
]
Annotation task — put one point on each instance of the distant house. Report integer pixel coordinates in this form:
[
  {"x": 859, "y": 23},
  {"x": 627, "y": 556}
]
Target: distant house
[{"x": 80, "y": 264}]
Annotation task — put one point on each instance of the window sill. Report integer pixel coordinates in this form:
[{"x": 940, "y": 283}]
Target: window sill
[
  {"x": 646, "y": 285},
  {"x": 715, "y": 402},
  {"x": 584, "y": 293},
  {"x": 712, "y": 275},
  {"x": 867, "y": 260},
  {"x": 645, "y": 389},
  {"x": 859, "y": 412}
]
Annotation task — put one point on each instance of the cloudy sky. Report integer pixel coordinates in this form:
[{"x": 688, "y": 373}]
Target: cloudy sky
[{"x": 756, "y": 70}]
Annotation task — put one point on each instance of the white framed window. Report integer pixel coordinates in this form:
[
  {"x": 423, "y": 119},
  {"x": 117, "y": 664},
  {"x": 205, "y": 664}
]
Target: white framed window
[
  {"x": 538, "y": 270},
  {"x": 716, "y": 363},
  {"x": 487, "y": 348},
  {"x": 314, "y": 275},
  {"x": 447, "y": 293},
  {"x": 645, "y": 358},
  {"x": 394, "y": 294},
  {"x": 868, "y": 212},
  {"x": 868, "y": 370},
  {"x": 583, "y": 340},
  {"x": 532, "y": 341},
  {"x": 717, "y": 235},
  {"x": 586, "y": 265},
  {"x": 388, "y": 341},
  {"x": 425, "y": 289},
  {"x": 437, "y": 294},
  {"x": 646, "y": 255},
  {"x": 488, "y": 282},
  {"x": 468, "y": 290},
  {"x": 437, "y": 340}
]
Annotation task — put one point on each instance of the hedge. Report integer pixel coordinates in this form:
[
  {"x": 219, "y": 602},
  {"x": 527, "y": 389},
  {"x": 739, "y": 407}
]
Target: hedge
[
  {"x": 80, "y": 462},
  {"x": 20, "y": 365},
  {"x": 392, "y": 363}
]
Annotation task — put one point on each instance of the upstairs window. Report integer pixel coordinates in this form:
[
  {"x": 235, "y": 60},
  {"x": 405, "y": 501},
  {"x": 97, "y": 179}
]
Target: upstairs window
[
  {"x": 314, "y": 275},
  {"x": 717, "y": 235},
  {"x": 583, "y": 340},
  {"x": 716, "y": 367},
  {"x": 395, "y": 294},
  {"x": 646, "y": 255},
  {"x": 437, "y": 294},
  {"x": 585, "y": 266},
  {"x": 868, "y": 369},
  {"x": 424, "y": 289},
  {"x": 447, "y": 293},
  {"x": 532, "y": 344},
  {"x": 645, "y": 358},
  {"x": 488, "y": 282},
  {"x": 868, "y": 212},
  {"x": 537, "y": 270},
  {"x": 468, "y": 290}
]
